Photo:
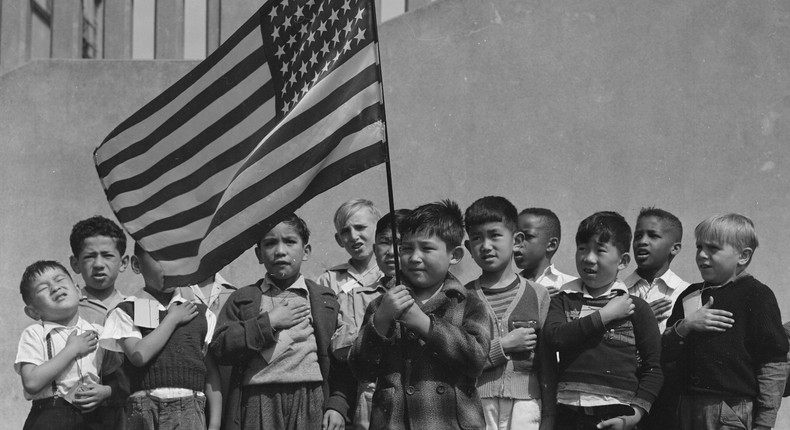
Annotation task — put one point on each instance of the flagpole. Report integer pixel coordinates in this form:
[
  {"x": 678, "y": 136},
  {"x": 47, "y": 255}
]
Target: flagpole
[{"x": 387, "y": 165}]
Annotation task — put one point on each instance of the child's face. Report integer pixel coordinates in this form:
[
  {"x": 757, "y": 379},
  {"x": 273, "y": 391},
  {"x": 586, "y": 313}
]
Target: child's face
[
  {"x": 599, "y": 262},
  {"x": 153, "y": 275},
  {"x": 357, "y": 235},
  {"x": 491, "y": 245},
  {"x": 282, "y": 252},
  {"x": 719, "y": 263},
  {"x": 54, "y": 297},
  {"x": 654, "y": 244},
  {"x": 535, "y": 244},
  {"x": 384, "y": 249},
  {"x": 425, "y": 259},
  {"x": 99, "y": 262}
]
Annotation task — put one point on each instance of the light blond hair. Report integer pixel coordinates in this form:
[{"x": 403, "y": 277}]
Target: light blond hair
[
  {"x": 732, "y": 229},
  {"x": 351, "y": 207}
]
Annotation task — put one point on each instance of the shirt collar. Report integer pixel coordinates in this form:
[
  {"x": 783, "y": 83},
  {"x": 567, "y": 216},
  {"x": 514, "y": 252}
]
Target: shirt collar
[
  {"x": 177, "y": 298},
  {"x": 299, "y": 284},
  {"x": 669, "y": 279},
  {"x": 81, "y": 324},
  {"x": 85, "y": 294},
  {"x": 577, "y": 287}
]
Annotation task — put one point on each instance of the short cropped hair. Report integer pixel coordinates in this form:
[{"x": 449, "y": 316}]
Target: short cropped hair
[
  {"x": 665, "y": 217},
  {"x": 732, "y": 229},
  {"x": 96, "y": 226},
  {"x": 443, "y": 219},
  {"x": 385, "y": 222},
  {"x": 491, "y": 209},
  {"x": 551, "y": 219},
  {"x": 609, "y": 227},
  {"x": 299, "y": 225},
  {"x": 349, "y": 208},
  {"x": 35, "y": 270}
]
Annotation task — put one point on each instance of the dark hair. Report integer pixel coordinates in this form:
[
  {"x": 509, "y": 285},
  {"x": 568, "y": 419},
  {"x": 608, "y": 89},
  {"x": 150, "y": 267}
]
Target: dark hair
[
  {"x": 35, "y": 270},
  {"x": 385, "y": 222},
  {"x": 299, "y": 225},
  {"x": 96, "y": 226},
  {"x": 491, "y": 209},
  {"x": 443, "y": 219},
  {"x": 665, "y": 217},
  {"x": 552, "y": 221},
  {"x": 609, "y": 226}
]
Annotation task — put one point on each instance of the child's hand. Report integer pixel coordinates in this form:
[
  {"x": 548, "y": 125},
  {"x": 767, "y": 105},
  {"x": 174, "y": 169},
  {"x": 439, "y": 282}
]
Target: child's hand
[
  {"x": 393, "y": 305},
  {"x": 553, "y": 291},
  {"x": 82, "y": 344},
  {"x": 625, "y": 422},
  {"x": 333, "y": 420},
  {"x": 89, "y": 396},
  {"x": 661, "y": 308},
  {"x": 287, "y": 315},
  {"x": 519, "y": 340},
  {"x": 619, "y": 307},
  {"x": 707, "y": 319},
  {"x": 182, "y": 313}
]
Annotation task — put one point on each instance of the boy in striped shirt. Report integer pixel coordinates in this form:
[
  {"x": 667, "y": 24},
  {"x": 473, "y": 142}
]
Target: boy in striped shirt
[{"x": 516, "y": 386}]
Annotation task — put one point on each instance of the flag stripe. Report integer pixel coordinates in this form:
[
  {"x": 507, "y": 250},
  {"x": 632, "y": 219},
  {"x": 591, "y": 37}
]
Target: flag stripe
[
  {"x": 218, "y": 62},
  {"x": 191, "y": 108},
  {"x": 328, "y": 178},
  {"x": 248, "y": 114}
]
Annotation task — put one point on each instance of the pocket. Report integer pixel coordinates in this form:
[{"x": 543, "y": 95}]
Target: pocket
[
  {"x": 468, "y": 407},
  {"x": 383, "y": 407},
  {"x": 735, "y": 417}
]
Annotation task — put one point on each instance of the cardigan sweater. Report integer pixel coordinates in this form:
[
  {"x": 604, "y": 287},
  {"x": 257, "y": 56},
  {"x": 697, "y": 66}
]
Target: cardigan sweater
[
  {"x": 620, "y": 359},
  {"x": 427, "y": 383},
  {"x": 242, "y": 332},
  {"x": 180, "y": 362}
]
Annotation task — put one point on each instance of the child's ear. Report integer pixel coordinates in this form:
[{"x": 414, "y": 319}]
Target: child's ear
[
  {"x": 339, "y": 240},
  {"x": 624, "y": 260},
  {"x": 518, "y": 239},
  {"x": 675, "y": 250},
  {"x": 135, "y": 263},
  {"x": 32, "y": 312},
  {"x": 552, "y": 245},
  {"x": 456, "y": 255},
  {"x": 74, "y": 263},
  {"x": 124, "y": 263},
  {"x": 259, "y": 253},
  {"x": 307, "y": 250},
  {"x": 745, "y": 256}
]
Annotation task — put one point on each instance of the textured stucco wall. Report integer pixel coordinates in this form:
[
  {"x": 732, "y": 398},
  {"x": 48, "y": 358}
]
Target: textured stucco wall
[{"x": 576, "y": 105}]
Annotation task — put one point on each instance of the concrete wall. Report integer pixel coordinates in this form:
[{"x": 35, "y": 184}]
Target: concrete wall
[{"x": 576, "y": 105}]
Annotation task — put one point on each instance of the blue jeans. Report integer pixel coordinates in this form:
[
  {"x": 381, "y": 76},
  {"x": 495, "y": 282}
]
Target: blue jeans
[
  {"x": 152, "y": 413},
  {"x": 698, "y": 412}
]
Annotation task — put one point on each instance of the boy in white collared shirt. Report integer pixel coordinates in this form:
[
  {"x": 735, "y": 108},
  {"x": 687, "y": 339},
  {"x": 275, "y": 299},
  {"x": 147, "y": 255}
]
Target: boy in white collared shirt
[
  {"x": 165, "y": 339},
  {"x": 542, "y": 232},
  {"x": 57, "y": 357}
]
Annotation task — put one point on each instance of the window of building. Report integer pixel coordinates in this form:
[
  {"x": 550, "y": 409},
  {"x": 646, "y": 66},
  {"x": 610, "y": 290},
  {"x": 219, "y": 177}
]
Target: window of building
[
  {"x": 194, "y": 29},
  {"x": 143, "y": 29},
  {"x": 92, "y": 29},
  {"x": 40, "y": 28}
]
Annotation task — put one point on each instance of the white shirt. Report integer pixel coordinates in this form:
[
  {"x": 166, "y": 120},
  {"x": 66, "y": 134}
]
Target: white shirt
[
  {"x": 212, "y": 302},
  {"x": 33, "y": 349},
  {"x": 120, "y": 325},
  {"x": 669, "y": 285},
  {"x": 551, "y": 277}
]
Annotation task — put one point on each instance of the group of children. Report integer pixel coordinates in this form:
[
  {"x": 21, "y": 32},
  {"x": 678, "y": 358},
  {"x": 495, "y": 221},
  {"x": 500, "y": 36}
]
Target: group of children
[{"x": 393, "y": 340}]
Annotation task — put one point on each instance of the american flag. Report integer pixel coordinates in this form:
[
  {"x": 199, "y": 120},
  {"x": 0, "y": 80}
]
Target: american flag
[{"x": 288, "y": 107}]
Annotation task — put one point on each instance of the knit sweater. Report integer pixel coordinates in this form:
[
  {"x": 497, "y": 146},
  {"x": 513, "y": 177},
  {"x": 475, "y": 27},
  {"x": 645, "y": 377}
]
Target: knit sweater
[
  {"x": 726, "y": 363},
  {"x": 180, "y": 362},
  {"x": 620, "y": 359}
]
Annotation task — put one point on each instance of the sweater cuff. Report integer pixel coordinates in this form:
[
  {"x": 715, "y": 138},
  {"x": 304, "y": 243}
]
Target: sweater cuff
[
  {"x": 496, "y": 354},
  {"x": 262, "y": 334}
]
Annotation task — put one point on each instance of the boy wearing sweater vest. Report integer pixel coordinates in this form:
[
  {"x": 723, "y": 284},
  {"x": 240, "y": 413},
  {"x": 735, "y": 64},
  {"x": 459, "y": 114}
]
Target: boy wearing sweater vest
[
  {"x": 726, "y": 335},
  {"x": 276, "y": 333},
  {"x": 516, "y": 390},
  {"x": 608, "y": 342},
  {"x": 165, "y": 339}
]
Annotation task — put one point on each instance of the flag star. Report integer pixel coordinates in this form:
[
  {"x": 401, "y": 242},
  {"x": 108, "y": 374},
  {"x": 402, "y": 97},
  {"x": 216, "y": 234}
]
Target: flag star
[
  {"x": 284, "y": 68},
  {"x": 359, "y": 15},
  {"x": 303, "y": 69},
  {"x": 287, "y": 23},
  {"x": 293, "y": 59},
  {"x": 346, "y": 5},
  {"x": 293, "y": 78},
  {"x": 285, "y": 108},
  {"x": 347, "y": 28},
  {"x": 347, "y": 46},
  {"x": 299, "y": 12},
  {"x": 284, "y": 91},
  {"x": 321, "y": 28},
  {"x": 310, "y": 3},
  {"x": 273, "y": 13},
  {"x": 320, "y": 8},
  {"x": 335, "y": 38},
  {"x": 311, "y": 37},
  {"x": 275, "y": 33},
  {"x": 281, "y": 51},
  {"x": 305, "y": 90},
  {"x": 314, "y": 59},
  {"x": 325, "y": 49},
  {"x": 333, "y": 17},
  {"x": 291, "y": 40},
  {"x": 360, "y": 35},
  {"x": 303, "y": 30}
]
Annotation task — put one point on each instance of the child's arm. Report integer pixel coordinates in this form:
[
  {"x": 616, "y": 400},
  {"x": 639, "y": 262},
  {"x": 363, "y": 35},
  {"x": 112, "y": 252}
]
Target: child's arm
[
  {"x": 768, "y": 341},
  {"x": 562, "y": 333},
  {"x": 213, "y": 394},
  {"x": 141, "y": 351},
  {"x": 37, "y": 377},
  {"x": 91, "y": 397},
  {"x": 680, "y": 326},
  {"x": 463, "y": 348},
  {"x": 370, "y": 347}
]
